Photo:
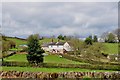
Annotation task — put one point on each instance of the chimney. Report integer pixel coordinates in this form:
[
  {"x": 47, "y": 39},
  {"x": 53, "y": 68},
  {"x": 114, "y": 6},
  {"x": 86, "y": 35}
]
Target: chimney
[
  {"x": 58, "y": 40},
  {"x": 52, "y": 40}
]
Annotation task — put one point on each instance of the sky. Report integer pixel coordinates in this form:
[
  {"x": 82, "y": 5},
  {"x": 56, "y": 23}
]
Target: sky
[{"x": 82, "y": 19}]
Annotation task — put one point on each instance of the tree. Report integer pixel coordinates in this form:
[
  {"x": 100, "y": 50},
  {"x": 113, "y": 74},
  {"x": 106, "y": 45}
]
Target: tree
[
  {"x": 3, "y": 37},
  {"x": 76, "y": 45},
  {"x": 111, "y": 38},
  {"x": 117, "y": 32},
  {"x": 88, "y": 41},
  {"x": 90, "y": 37},
  {"x": 12, "y": 44},
  {"x": 34, "y": 50},
  {"x": 5, "y": 46},
  {"x": 68, "y": 38},
  {"x": 104, "y": 36},
  {"x": 95, "y": 39},
  {"x": 60, "y": 37}
]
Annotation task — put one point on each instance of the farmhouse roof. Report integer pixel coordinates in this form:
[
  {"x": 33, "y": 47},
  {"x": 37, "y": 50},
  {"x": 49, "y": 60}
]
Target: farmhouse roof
[
  {"x": 60, "y": 43},
  {"x": 44, "y": 45},
  {"x": 52, "y": 43}
]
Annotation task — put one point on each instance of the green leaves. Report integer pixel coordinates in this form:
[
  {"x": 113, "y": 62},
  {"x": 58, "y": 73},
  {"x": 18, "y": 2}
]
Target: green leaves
[
  {"x": 34, "y": 50},
  {"x": 88, "y": 41}
]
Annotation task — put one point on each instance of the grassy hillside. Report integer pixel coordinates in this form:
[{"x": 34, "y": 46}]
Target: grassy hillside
[
  {"x": 111, "y": 48},
  {"x": 31, "y": 69},
  {"x": 49, "y": 40},
  {"x": 47, "y": 59},
  {"x": 17, "y": 41}
]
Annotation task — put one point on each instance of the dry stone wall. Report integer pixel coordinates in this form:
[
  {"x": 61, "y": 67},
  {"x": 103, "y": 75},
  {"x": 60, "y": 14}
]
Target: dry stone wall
[{"x": 64, "y": 75}]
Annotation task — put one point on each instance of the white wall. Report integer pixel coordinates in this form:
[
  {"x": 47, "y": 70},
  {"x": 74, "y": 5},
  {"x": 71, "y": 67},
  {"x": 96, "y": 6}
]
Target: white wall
[
  {"x": 55, "y": 47},
  {"x": 67, "y": 47}
]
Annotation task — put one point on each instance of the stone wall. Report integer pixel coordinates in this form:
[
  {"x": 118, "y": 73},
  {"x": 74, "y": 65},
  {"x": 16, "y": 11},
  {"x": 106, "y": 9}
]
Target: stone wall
[{"x": 63, "y": 75}]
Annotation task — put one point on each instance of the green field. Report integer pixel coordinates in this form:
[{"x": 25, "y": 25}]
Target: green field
[
  {"x": 34, "y": 69},
  {"x": 45, "y": 40},
  {"x": 17, "y": 57},
  {"x": 17, "y": 41},
  {"x": 47, "y": 59},
  {"x": 57, "y": 59},
  {"x": 111, "y": 48}
]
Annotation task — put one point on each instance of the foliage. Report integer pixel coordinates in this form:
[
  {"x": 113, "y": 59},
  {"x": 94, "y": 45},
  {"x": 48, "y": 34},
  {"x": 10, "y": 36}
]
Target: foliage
[
  {"x": 111, "y": 38},
  {"x": 12, "y": 44},
  {"x": 77, "y": 45},
  {"x": 95, "y": 39},
  {"x": 4, "y": 37},
  {"x": 34, "y": 50},
  {"x": 5, "y": 55},
  {"x": 93, "y": 51},
  {"x": 90, "y": 37},
  {"x": 117, "y": 32},
  {"x": 5, "y": 46},
  {"x": 55, "y": 65},
  {"x": 61, "y": 37},
  {"x": 88, "y": 41},
  {"x": 8, "y": 44}
]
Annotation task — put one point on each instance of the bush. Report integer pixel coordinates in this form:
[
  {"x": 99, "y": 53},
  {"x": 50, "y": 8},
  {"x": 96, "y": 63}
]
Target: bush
[
  {"x": 86, "y": 60},
  {"x": 55, "y": 65},
  {"x": 4, "y": 55},
  {"x": 88, "y": 41}
]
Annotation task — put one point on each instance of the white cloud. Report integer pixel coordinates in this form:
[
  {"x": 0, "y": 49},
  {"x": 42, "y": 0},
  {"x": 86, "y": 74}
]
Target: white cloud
[{"x": 23, "y": 19}]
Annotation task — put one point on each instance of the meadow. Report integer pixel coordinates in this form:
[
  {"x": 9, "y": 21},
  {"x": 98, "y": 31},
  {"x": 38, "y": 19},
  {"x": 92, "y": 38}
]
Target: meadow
[
  {"x": 110, "y": 48},
  {"x": 19, "y": 42},
  {"x": 34, "y": 69},
  {"x": 47, "y": 59}
]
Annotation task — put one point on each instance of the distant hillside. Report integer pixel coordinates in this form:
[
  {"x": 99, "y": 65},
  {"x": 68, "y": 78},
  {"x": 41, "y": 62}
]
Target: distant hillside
[
  {"x": 45, "y": 40},
  {"x": 111, "y": 48},
  {"x": 20, "y": 41}
]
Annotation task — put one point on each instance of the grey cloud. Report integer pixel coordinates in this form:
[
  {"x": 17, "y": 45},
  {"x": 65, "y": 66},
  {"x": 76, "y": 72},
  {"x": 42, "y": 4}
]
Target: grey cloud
[{"x": 22, "y": 19}]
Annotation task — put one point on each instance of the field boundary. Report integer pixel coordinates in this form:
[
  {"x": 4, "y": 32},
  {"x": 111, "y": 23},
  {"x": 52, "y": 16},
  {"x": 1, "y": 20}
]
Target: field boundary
[
  {"x": 86, "y": 60},
  {"x": 56, "y": 65}
]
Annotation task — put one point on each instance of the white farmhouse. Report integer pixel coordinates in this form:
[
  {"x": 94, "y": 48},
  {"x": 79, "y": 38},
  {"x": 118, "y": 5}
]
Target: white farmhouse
[{"x": 57, "y": 47}]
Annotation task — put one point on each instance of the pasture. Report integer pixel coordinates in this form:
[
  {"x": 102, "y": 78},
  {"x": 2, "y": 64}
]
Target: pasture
[
  {"x": 47, "y": 59},
  {"x": 34, "y": 69},
  {"x": 17, "y": 41},
  {"x": 111, "y": 48}
]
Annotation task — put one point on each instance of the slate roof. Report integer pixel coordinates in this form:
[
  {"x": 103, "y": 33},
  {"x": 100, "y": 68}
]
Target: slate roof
[
  {"x": 44, "y": 45},
  {"x": 52, "y": 43},
  {"x": 60, "y": 43}
]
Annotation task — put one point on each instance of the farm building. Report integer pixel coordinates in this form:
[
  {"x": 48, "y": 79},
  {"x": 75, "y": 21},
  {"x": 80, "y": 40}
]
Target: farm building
[{"x": 56, "y": 47}]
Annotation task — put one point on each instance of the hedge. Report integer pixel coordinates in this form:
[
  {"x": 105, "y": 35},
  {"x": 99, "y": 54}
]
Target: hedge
[
  {"x": 86, "y": 60},
  {"x": 12, "y": 53},
  {"x": 56, "y": 65}
]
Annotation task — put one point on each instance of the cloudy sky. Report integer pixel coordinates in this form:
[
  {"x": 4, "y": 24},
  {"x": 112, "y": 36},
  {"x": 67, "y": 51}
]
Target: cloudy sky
[{"x": 53, "y": 18}]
